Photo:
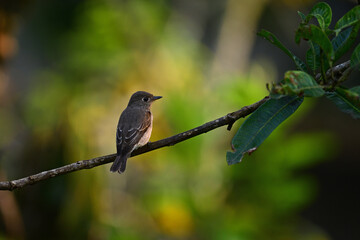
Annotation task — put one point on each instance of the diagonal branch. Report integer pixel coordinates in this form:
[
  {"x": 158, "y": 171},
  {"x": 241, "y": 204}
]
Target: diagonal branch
[{"x": 228, "y": 119}]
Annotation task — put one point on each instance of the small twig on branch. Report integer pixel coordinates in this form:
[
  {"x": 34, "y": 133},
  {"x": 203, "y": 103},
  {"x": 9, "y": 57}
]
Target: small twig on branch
[
  {"x": 336, "y": 71},
  {"x": 228, "y": 119}
]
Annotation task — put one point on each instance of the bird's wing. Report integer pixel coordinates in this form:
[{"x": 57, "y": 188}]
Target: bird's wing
[{"x": 131, "y": 128}]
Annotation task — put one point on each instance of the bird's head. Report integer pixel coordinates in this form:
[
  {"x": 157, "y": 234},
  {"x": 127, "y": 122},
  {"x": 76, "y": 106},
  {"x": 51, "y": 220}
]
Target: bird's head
[{"x": 142, "y": 99}]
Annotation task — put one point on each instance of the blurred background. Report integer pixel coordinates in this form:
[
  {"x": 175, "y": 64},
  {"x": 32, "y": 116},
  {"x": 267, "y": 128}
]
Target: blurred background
[{"x": 67, "y": 70}]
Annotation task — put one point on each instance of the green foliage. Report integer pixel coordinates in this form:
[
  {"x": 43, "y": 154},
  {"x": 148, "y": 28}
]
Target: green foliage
[
  {"x": 355, "y": 57},
  {"x": 313, "y": 56},
  {"x": 259, "y": 126},
  {"x": 348, "y": 100},
  {"x": 302, "y": 16},
  {"x": 325, "y": 47},
  {"x": 272, "y": 39},
  {"x": 322, "y": 12},
  {"x": 316, "y": 35},
  {"x": 297, "y": 83},
  {"x": 349, "y": 19},
  {"x": 345, "y": 40}
]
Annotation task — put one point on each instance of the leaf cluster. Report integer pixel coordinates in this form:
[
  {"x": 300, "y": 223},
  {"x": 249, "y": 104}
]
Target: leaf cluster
[{"x": 314, "y": 77}]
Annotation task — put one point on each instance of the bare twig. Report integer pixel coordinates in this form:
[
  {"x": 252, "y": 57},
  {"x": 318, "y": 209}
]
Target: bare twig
[
  {"x": 228, "y": 119},
  {"x": 336, "y": 71}
]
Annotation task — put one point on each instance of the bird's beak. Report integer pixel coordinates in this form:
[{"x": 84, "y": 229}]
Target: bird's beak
[{"x": 156, "y": 97}]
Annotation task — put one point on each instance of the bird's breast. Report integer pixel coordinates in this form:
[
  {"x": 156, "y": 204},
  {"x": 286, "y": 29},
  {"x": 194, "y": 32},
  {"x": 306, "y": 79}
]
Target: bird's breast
[{"x": 145, "y": 138}]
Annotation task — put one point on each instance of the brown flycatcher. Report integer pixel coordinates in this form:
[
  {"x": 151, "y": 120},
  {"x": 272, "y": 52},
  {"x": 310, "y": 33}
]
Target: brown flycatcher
[{"x": 134, "y": 128}]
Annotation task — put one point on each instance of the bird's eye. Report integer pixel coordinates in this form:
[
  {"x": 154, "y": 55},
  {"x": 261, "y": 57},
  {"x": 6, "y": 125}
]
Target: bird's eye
[{"x": 146, "y": 99}]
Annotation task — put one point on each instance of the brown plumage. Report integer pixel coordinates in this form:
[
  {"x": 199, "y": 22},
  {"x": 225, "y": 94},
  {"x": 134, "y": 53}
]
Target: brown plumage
[{"x": 134, "y": 128}]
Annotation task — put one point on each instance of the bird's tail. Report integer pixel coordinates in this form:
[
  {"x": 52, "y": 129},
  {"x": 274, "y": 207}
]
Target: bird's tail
[{"x": 119, "y": 164}]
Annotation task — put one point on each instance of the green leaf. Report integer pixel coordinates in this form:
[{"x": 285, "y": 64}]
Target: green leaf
[
  {"x": 343, "y": 41},
  {"x": 298, "y": 83},
  {"x": 322, "y": 12},
  {"x": 355, "y": 57},
  {"x": 272, "y": 39},
  {"x": 321, "y": 21},
  {"x": 350, "y": 18},
  {"x": 347, "y": 100},
  {"x": 302, "y": 16},
  {"x": 260, "y": 125},
  {"x": 356, "y": 89},
  {"x": 299, "y": 64},
  {"x": 316, "y": 35},
  {"x": 313, "y": 56}
]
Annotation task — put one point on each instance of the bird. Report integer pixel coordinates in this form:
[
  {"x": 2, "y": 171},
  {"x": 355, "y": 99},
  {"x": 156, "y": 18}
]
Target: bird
[{"x": 134, "y": 128}]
